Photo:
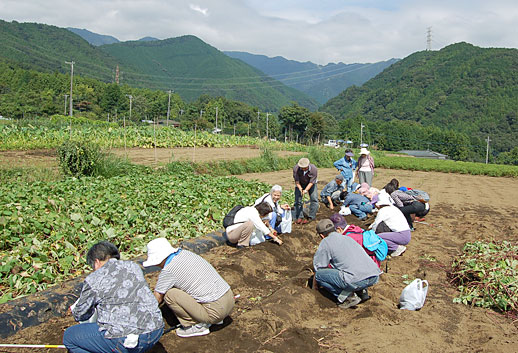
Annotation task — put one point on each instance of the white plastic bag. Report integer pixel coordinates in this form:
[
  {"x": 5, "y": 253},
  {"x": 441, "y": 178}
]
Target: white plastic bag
[
  {"x": 257, "y": 237},
  {"x": 92, "y": 318},
  {"x": 286, "y": 222},
  {"x": 345, "y": 211},
  {"x": 414, "y": 295}
]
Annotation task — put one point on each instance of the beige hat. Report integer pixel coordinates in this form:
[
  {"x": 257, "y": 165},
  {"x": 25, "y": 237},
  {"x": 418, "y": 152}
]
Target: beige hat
[
  {"x": 363, "y": 150},
  {"x": 157, "y": 250},
  {"x": 303, "y": 163}
]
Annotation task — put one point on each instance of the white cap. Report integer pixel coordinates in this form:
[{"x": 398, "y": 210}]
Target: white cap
[
  {"x": 157, "y": 250},
  {"x": 363, "y": 150}
]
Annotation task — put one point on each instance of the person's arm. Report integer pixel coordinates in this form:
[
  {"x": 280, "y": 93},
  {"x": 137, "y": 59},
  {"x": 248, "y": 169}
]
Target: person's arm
[
  {"x": 259, "y": 224},
  {"x": 159, "y": 297},
  {"x": 397, "y": 200},
  {"x": 331, "y": 206},
  {"x": 322, "y": 257},
  {"x": 85, "y": 306}
]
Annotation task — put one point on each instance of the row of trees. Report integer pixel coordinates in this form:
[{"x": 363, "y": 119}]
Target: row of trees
[{"x": 25, "y": 94}]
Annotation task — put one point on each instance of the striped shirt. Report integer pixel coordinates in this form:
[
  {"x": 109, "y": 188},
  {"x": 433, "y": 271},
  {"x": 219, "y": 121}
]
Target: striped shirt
[{"x": 194, "y": 275}]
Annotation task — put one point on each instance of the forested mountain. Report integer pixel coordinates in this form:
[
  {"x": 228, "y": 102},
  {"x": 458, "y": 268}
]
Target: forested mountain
[
  {"x": 46, "y": 48},
  {"x": 191, "y": 67},
  {"x": 461, "y": 87},
  {"x": 93, "y": 38},
  {"x": 186, "y": 65},
  {"x": 320, "y": 82}
]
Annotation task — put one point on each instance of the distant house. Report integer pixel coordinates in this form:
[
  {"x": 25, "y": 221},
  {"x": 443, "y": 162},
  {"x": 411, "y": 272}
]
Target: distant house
[
  {"x": 424, "y": 154},
  {"x": 172, "y": 123}
]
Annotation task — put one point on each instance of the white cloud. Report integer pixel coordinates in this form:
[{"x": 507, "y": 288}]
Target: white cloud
[{"x": 204, "y": 12}]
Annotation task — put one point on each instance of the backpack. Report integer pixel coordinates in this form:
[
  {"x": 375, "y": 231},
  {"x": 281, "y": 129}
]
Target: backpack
[
  {"x": 373, "y": 242},
  {"x": 229, "y": 218}
]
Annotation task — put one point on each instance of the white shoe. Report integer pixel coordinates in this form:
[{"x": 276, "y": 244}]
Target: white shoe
[
  {"x": 194, "y": 330},
  {"x": 399, "y": 251}
]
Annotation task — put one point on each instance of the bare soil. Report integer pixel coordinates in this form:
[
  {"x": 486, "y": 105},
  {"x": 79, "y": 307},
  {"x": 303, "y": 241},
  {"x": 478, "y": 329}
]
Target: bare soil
[{"x": 277, "y": 312}]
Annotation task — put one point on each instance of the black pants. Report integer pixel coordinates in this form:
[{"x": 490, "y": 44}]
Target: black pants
[{"x": 414, "y": 207}]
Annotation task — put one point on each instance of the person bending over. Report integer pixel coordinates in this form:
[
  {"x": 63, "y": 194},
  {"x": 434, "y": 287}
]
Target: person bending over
[
  {"x": 330, "y": 194},
  {"x": 191, "y": 288},
  {"x": 128, "y": 317},
  {"x": 341, "y": 266}
]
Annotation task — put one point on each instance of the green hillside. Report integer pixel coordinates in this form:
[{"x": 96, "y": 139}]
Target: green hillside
[
  {"x": 461, "y": 87},
  {"x": 191, "y": 68},
  {"x": 46, "y": 48},
  {"x": 93, "y": 38}
]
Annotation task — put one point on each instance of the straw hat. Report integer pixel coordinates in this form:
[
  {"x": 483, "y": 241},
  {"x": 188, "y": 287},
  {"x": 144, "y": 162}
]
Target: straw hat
[{"x": 303, "y": 163}]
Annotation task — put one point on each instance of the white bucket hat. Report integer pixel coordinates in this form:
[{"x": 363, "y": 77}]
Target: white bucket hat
[
  {"x": 157, "y": 250},
  {"x": 383, "y": 199},
  {"x": 303, "y": 163},
  {"x": 363, "y": 150}
]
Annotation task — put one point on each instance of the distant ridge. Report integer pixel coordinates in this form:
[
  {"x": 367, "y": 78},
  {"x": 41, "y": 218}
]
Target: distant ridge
[
  {"x": 317, "y": 81},
  {"x": 93, "y": 38}
]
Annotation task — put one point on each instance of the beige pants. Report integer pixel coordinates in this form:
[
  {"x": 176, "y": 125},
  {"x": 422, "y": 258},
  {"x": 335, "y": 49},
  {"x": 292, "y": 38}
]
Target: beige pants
[
  {"x": 241, "y": 235},
  {"x": 189, "y": 312}
]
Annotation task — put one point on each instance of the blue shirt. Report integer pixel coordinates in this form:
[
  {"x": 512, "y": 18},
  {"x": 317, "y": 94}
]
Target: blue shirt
[
  {"x": 331, "y": 187},
  {"x": 346, "y": 167},
  {"x": 355, "y": 199}
]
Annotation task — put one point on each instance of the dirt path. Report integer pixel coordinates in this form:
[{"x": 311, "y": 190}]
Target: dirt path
[
  {"x": 145, "y": 156},
  {"x": 278, "y": 313}
]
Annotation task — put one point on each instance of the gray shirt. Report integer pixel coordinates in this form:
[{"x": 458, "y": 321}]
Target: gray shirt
[
  {"x": 125, "y": 304},
  {"x": 345, "y": 255}
]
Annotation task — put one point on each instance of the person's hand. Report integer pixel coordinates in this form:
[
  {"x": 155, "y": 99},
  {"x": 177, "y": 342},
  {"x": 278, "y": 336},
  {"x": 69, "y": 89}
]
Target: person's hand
[
  {"x": 278, "y": 240},
  {"x": 303, "y": 192},
  {"x": 331, "y": 206},
  {"x": 285, "y": 207}
]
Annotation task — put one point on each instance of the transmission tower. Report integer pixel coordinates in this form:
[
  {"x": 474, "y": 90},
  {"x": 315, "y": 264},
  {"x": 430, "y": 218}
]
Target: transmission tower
[{"x": 429, "y": 38}]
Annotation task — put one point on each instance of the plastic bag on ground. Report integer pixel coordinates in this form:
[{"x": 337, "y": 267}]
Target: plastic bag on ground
[
  {"x": 345, "y": 211},
  {"x": 414, "y": 295}
]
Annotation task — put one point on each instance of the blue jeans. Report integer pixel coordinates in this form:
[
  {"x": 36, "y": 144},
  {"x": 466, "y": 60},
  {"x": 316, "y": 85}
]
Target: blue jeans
[
  {"x": 361, "y": 211},
  {"x": 330, "y": 280},
  {"x": 86, "y": 338},
  {"x": 313, "y": 203}
]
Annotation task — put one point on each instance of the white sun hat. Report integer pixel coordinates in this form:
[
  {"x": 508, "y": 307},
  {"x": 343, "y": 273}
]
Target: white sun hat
[
  {"x": 363, "y": 150},
  {"x": 157, "y": 250}
]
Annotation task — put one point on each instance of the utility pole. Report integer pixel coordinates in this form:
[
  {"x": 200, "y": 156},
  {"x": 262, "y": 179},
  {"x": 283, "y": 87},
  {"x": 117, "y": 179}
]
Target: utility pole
[
  {"x": 131, "y": 102},
  {"x": 361, "y": 134},
  {"x": 429, "y": 38},
  {"x": 71, "y": 63},
  {"x": 258, "y": 131},
  {"x": 216, "y": 119},
  {"x": 487, "y": 149},
  {"x": 66, "y": 96},
  {"x": 168, "y": 107},
  {"x": 267, "y": 114}
]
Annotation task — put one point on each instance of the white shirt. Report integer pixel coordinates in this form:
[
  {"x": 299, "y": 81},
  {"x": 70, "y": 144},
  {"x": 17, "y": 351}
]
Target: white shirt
[
  {"x": 268, "y": 199},
  {"x": 393, "y": 218},
  {"x": 248, "y": 214}
]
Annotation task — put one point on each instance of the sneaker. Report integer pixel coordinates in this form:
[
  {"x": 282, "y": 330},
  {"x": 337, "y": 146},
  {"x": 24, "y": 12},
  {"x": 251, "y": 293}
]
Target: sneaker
[
  {"x": 363, "y": 294},
  {"x": 304, "y": 221},
  {"x": 194, "y": 330},
  {"x": 350, "y": 301},
  {"x": 298, "y": 221},
  {"x": 399, "y": 251}
]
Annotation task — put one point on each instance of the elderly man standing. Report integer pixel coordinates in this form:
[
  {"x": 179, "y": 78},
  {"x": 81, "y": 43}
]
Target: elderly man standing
[
  {"x": 330, "y": 194},
  {"x": 305, "y": 175},
  {"x": 190, "y": 286},
  {"x": 342, "y": 267},
  {"x": 128, "y": 317}
]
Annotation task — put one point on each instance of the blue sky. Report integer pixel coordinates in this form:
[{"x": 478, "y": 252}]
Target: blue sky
[{"x": 320, "y": 31}]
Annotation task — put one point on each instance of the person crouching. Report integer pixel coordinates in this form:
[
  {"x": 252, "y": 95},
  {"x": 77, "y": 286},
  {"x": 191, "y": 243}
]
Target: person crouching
[
  {"x": 351, "y": 268},
  {"x": 190, "y": 286}
]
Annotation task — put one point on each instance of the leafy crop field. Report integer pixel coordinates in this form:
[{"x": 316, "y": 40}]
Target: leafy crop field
[
  {"x": 46, "y": 227},
  {"x": 52, "y": 133}
]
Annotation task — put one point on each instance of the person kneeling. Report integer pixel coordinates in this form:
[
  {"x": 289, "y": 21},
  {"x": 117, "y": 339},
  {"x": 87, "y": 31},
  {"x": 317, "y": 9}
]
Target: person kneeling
[
  {"x": 351, "y": 268},
  {"x": 128, "y": 320},
  {"x": 190, "y": 286}
]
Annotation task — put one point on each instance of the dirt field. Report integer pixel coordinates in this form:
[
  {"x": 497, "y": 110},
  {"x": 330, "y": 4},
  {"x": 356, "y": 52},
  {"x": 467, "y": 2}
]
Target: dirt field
[
  {"x": 146, "y": 156},
  {"x": 278, "y": 313}
]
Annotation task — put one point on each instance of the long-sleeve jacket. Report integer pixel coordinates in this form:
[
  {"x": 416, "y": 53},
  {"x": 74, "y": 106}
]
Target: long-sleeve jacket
[
  {"x": 355, "y": 199},
  {"x": 346, "y": 167},
  {"x": 330, "y": 188},
  {"x": 401, "y": 198}
]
